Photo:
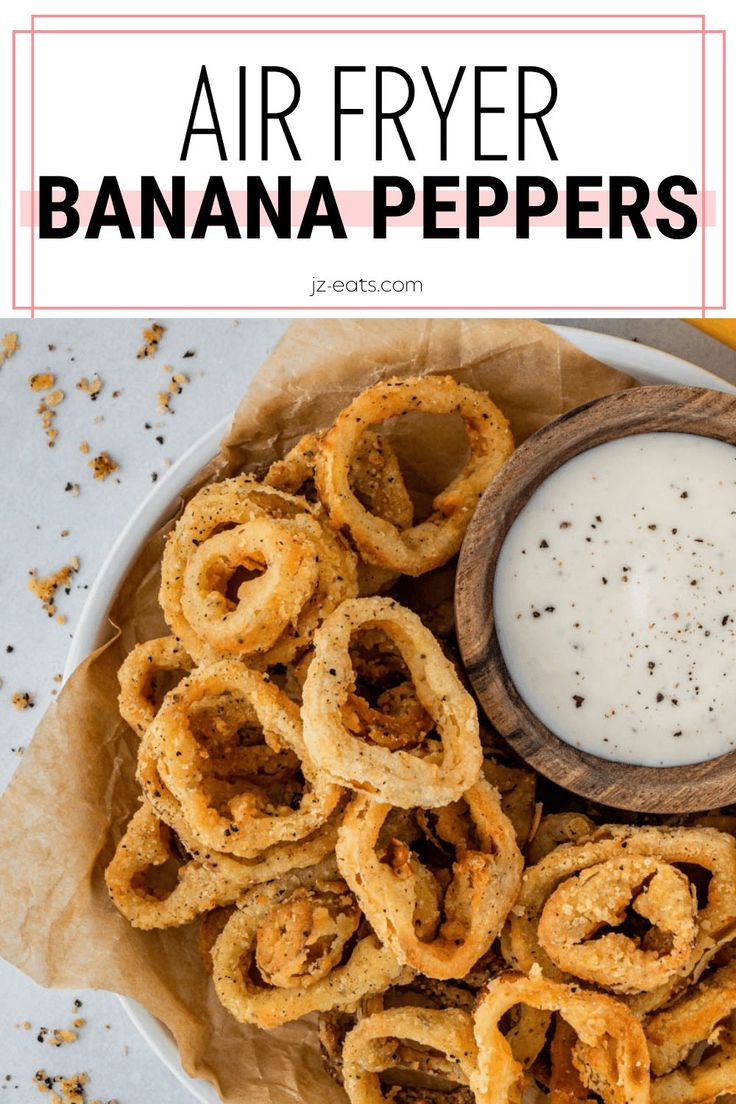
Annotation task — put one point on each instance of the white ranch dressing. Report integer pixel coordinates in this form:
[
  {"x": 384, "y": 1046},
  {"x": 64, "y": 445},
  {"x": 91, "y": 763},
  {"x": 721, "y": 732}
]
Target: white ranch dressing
[{"x": 615, "y": 600}]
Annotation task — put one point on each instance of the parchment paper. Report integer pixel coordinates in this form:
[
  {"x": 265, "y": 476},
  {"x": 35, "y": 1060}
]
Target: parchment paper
[{"x": 66, "y": 807}]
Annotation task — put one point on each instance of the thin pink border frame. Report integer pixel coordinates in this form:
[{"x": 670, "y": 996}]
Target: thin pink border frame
[{"x": 703, "y": 307}]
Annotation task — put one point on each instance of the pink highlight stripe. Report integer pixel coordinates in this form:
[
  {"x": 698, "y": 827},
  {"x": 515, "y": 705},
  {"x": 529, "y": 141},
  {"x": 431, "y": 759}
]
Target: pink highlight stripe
[
  {"x": 365, "y": 31},
  {"x": 356, "y": 208}
]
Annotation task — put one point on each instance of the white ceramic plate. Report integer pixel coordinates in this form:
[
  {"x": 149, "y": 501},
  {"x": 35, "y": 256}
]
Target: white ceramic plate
[{"x": 646, "y": 364}]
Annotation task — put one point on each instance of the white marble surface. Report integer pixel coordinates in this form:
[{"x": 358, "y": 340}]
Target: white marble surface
[{"x": 35, "y": 509}]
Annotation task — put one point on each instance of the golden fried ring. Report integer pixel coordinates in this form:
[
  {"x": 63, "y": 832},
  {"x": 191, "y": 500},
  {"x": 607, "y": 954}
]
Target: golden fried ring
[
  {"x": 712, "y": 1079},
  {"x": 137, "y": 678},
  {"x": 599, "y": 897},
  {"x": 675, "y": 1031},
  {"x": 434, "y": 541},
  {"x": 369, "y": 967},
  {"x": 305, "y": 937},
  {"x": 437, "y": 773},
  {"x": 265, "y": 605},
  {"x": 379, "y": 1043},
  {"x": 337, "y": 580},
  {"x": 703, "y": 847},
  {"x": 250, "y": 826},
  {"x": 214, "y": 508},
  {"x": 148, "y": 843},
  {"x": 604, "y": 1026},
  {"x": 483, "y": 888},
  {"x": 207, "y": 880},
  {"x": 376, "y": 477},
  {"x": 555, "y": 829}
]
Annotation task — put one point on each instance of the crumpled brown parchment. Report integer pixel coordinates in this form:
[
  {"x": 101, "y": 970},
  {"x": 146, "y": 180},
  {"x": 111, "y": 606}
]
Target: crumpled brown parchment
[{"x": 67, "y": 804}]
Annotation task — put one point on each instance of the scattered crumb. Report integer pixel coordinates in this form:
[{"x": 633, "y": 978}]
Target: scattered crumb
[
  {"x": 47, "y": 419},
  {"x": 62, "y": 1090},
  {"x": 45, "y": 586},
  {"x": 72, "y": 489},
  {"x": 90, "y": 387},
  {"x": 22, "y": 700},
  {"x": 54, "y": 398},
  {"x": 61, "y": 619},
  {"x": 177, "y": 382},
  {"x": 18, "y": 751},
  {"x": 51, "y": 348},
  {"x": 8, "y": 346},
  {"x": 61, "y": 1037},
  {"x": 84, "y": 448},
  {"x": 189, "y": 353},
  {"x": 57, "y": 678},
  {"x": 64, "y": 533},
  {"x": 151, "y": 335},
  {"x": 41, "y": 381},
  {"x": 102, "y": 465}
]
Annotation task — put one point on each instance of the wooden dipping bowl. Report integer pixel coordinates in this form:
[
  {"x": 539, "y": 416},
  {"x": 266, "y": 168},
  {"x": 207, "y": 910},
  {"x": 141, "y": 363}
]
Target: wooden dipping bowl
[{"x": 689, "y": 788}]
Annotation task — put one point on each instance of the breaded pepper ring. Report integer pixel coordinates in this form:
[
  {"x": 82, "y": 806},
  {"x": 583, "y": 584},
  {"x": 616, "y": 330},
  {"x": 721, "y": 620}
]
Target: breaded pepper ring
[
  {"x": 206, "y": 880},
  {"x": 432, "y": 542},
  {"x": 265, "y": 605},
  {"x": 249, "y": 823},
  {"x": 310, "y": 570},
  {"x": 138, "y": 676},
  {"x": 599, "y": 897},
  {"x": 375, "y": 476},
  {"x": 701, "y": 847},
  {"x": 434, "y": 774},
  {"x": 380, "y": 1042},
  {"x": 711, "y": 1079},
  {"x": 148, "y": 843},
  {"x": 697, "y": 1016},
  {"x": 609, "y": 1036},
  {"x": 484, "y": 882},
  {"x": 300, "y": 932},
  {"x": 213, "y": 509}
]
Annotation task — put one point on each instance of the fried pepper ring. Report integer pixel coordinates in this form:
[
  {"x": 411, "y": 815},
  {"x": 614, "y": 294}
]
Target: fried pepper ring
[
  {"x": 606, "y": 1029},
  {"x": 441, "y": 769},
  {"x": 599, "y": 897},
  {"x": 215, "y": 508},
  {"x": 250, "y": 823},
  {"x": 138, "y": 677},
  {"x": 205, "y": 879},
  {"x": 297, "y": 937},
  {"x": 486, "y": 875},
  {"x": 380, "y": 1042},
  {"x": 266, "y": 604},
  {"x": 713, "y": 1078},
  {"x": 375, "y": 476},
  {"x": 696, "y": 1017},
  {"x": 306, "y": 570},
  {"x": 615, "y": 844},
  {"x": 434, "y": 541}
]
